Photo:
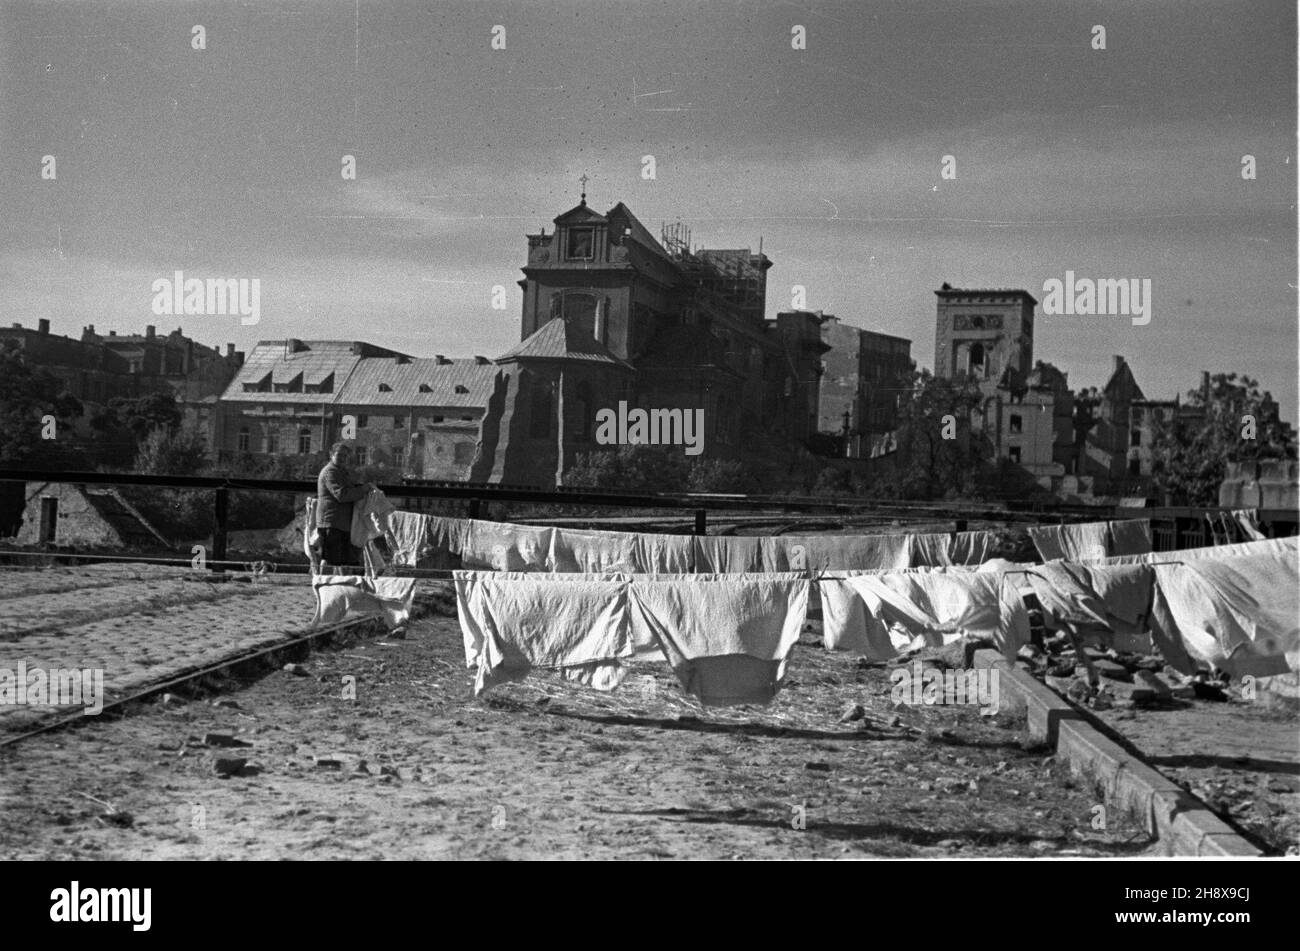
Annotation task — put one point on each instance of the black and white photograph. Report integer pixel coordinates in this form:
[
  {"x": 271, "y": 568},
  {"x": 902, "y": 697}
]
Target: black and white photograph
[{"x": 598, "y": 430}]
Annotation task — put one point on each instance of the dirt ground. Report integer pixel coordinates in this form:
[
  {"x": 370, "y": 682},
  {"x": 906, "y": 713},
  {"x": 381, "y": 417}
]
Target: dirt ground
[
  {"x": 1242, "y": 759},
  {"x": 415, "y": 767}
]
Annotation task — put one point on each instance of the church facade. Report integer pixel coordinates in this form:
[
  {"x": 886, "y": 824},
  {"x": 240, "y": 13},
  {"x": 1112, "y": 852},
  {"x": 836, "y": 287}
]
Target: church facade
[{"x": 611, "y": 314}]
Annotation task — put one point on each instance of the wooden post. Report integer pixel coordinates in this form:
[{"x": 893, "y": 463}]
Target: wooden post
[
  {"x": 220, "y": 516},
  {"x": 559, "y": 431},
  {"x": 701, "y": 527}
]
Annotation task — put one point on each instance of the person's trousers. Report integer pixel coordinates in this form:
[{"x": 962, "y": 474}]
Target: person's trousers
[{"x": 336, "y": 548}]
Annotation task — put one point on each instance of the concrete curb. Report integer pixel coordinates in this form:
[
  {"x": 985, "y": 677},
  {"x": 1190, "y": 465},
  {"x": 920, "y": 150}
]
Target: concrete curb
[{"x": 1181, "y": 823}]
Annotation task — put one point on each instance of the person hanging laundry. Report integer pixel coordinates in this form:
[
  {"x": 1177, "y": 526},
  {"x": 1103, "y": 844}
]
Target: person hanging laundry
[
  {"x": 336, "y": 494},
  {"x": 515, "y": 622},
  {"x": 727, "y": 637}
]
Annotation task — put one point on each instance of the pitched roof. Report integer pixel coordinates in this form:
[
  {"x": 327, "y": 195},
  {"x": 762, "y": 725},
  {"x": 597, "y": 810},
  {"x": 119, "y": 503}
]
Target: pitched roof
[
  {"x": 283, "y": 362},
  {"x": 640, "y": 234},
  {"x": 420, "y": 382},
  {"x": 560, "y": 339},
  {"x": 580, "y": 214},
  {"x": 949, "y": 291},
  {"x": 1121, "y": 376}
]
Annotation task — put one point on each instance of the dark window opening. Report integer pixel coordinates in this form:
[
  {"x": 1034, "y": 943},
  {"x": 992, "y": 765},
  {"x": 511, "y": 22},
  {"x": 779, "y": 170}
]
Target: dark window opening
[
  {"x": 49, "y": 519},
  {"x": 581, "y": 243}
]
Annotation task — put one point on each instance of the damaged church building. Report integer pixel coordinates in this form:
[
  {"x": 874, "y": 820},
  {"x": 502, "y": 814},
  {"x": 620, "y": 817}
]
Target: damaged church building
[{"x": 611, "y": 315}]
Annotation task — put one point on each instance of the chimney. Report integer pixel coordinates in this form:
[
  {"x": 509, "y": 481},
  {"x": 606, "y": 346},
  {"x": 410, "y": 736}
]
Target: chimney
[
  {"x": 1205, "y": 384},
  {"x": 1119, "y": 362},
  {"x": 440, "y": 359},
  {"x": 481, "y": 361},
  {"x": 150, "y": 332},
  {"x": 112, "y": 333},
  {"x": 17, "y": 326},
  {"x": 230, "y": 351},
  {"x": 43, "y": 327}
]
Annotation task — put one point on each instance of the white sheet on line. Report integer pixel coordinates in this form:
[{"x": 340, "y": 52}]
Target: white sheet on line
[
  {"x": 635, "y": 552},
  {"x": 849, "y": 552},
  {"x": 502, "y": 546},
  {"x": 1247, "y": 523},
  {"x": 339, "y": 597},
  {"x": 1239, "y": 613},
  {"x": 576, "y": 626},
  {"x": 1130, "y": 536},
  {"x": 1262, "y": 547},
  {"x": 728, "y": 554},
  {"x": 727, "y": 637},
  {"x": 867, "y": 613},
  {"x": 1110, "y": 603}
]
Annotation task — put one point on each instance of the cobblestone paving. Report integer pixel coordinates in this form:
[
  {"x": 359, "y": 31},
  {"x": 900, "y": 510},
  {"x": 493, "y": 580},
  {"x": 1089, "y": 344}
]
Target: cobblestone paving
[{"x": 140, "y": 626}]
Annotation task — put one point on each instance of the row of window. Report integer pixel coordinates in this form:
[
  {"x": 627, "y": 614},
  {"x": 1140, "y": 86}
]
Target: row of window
[
  {"x": 271, "y": 442},
  {"x": 463, "y": 452}
]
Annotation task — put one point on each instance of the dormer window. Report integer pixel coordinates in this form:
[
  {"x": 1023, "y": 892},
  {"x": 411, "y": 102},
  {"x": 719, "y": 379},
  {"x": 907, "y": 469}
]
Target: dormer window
[
  {"x": 462, "y": 388},
  {"x": 385, "y": 388},
  {"x": 581, "y": 244},
  {"x": 425, "y": 388}
]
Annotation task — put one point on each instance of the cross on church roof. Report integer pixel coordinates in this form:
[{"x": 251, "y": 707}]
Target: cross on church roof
[{"x": 583, "y": 179}]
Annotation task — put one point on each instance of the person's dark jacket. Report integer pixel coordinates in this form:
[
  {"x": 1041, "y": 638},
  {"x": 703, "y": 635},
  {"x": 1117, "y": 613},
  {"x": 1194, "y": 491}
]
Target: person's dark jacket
[{"x": 335, "y": 493}]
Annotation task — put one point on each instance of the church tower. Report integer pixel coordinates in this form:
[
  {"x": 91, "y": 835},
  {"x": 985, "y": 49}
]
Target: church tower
[{"x": 986, "y": 333}]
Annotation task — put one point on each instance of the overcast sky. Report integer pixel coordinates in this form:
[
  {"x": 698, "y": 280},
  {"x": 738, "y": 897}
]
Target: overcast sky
[{"x": 1122, "y": 163}]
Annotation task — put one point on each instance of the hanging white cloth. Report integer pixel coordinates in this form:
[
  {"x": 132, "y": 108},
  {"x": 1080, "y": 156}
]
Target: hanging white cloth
[
  {"x": 576, "y": 626},
  {"x": 339, "y": 597},
  {"x": 727, "y": 637}
]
